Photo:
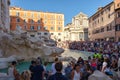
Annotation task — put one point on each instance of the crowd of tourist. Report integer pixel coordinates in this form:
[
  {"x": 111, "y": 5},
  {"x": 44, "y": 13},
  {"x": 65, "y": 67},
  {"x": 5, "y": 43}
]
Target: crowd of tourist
[
  {"x": 102, "y": 46},
  {"x": 79, "y": 70},
  {"x": 106, "y": 59}
]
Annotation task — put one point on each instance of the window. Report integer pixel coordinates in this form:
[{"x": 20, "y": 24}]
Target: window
[
  {"x": 24, "y": 14},
  {"x": 39, "y": 33},
  {"x": 118, "y": 5},
  {"x": 59, "y": 33},
  {"x": 59, "y": 28},
  {"x": 18, "y": 20},
  {"x": 98, "y": 20},
  {"x": 45, "y": 16},
  {"x": 25, "y": 20},
  {"x": 8, "y": 2},
  {"x": 107, "y": 28},
  {"x": 45, "y": 33},
  {"x": 25, "y": 27},
  {"x": 96, "y": 31},
  {"x": 102, "y": 30},
  {"x": 102, "y": 12},
  {"x": 45, "y": 21},
  {"x": 18, "y": 27},
  {"x": 32, "y": 27},
  {"x": 32, "y": 35},
  {"x": 119, "y": 39},
  {"x": 118, "y": 14},
  {"x": 102, "y": 19},
  {"x": 52, "y": 33},
  {"x": 109, "y": 8},
  {"x": 38, "y": 21},
  {"x": 108, "y": 15},
  {"x": 32, "y": 21},
  {"x": 117, "y": 27},
  {"x": 58, "y": 22},
  {"x": 110, "y": 27},
  {"x": 38, "y": 15},
  {"x": 32, "y": 15},
  {"x": 45, "y": 28},
  {"x": 52, "y": 28},
  {"x": 80, "y": 35},
  {"x": 59, "y": 17},
  {"x": 17, "y": 13},
  {"x": 81, "y": 22},
  {"x": 52, "y": 17},
  {"x": 38, "y": 27}
]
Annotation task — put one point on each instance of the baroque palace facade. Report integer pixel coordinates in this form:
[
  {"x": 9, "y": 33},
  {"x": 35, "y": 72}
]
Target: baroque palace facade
[
  {"x": 78, "y": 29},
  {"x": 37, "y": 23},
  {"x": 105, "y": 23}
]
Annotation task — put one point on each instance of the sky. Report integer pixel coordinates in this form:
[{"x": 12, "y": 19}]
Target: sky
[{"x": 69, "y": 8}]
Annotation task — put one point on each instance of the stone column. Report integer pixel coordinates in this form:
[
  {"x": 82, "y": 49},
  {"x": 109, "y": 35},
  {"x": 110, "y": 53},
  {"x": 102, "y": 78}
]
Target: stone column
[{"x": 83, "y": 36}]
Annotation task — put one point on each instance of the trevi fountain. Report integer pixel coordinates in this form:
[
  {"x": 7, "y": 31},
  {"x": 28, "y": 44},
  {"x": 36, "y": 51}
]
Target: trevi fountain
[{"x": 17, "y": 46}]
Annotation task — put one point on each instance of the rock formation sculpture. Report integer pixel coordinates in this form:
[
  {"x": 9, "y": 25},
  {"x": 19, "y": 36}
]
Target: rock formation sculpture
[
  {"x": 97, "y": 75},
  {"x": 24, "y": 47}
]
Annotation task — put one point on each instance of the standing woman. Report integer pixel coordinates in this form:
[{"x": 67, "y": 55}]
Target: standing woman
[
  {"x": 76, "y": 74},
  {"x": 94, "y": 64},
  {"x": 12, "y": 71}
]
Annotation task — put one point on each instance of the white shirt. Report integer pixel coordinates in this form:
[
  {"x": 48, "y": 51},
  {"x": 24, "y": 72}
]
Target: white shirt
[
  {"x": 119, "y": 62},
  {"x": 104, "y": 65},
  {"x": 53, "y": 68},
  {"x": 44, "y": 68},
  {"x": 11, "y": 72},
  {"x": 76, "y": 76}
]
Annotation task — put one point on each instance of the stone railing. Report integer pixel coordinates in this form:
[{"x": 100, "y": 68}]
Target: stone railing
[{"x": 6, "y": 78}]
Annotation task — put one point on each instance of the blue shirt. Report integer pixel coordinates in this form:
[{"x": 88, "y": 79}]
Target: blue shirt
[
  {"x": 37, "y": 72},
  {"x": 57, "y": 76}
]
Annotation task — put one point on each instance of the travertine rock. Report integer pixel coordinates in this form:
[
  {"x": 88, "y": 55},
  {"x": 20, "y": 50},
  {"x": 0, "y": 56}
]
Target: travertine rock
[
  {"x": 22, "y": 46},
  {"x": 97, "y": 75}
]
